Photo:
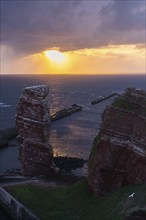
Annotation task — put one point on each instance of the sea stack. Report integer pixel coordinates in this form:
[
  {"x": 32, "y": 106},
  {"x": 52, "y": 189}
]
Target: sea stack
[
  {"x": 118, "y": 155},
  {"x": 33, "y": 125}
]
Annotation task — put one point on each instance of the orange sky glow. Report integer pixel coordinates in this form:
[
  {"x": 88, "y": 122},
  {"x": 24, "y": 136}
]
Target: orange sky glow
[
  {"x": 112, "y": 59},
  {"x": 73, "y": 37}
]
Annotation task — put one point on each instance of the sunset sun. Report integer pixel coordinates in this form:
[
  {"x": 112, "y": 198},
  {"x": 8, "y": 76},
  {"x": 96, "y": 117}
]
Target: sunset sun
[{"x": 55, "y": 56}]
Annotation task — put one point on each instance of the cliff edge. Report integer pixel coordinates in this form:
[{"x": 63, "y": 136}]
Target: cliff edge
[{"x": 118, "y": 155}]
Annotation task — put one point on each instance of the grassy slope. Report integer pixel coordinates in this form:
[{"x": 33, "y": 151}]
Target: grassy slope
[{"x": 77, "y": 202}]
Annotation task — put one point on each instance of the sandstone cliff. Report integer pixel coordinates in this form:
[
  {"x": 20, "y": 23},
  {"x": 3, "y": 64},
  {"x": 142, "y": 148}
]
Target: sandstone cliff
[
  {"x": 118, "y": 155},
  {"x": 33, "y": 125}
]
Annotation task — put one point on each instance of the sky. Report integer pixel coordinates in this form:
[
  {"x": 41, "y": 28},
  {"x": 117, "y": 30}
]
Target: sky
[{"x": 88, "y": 36}]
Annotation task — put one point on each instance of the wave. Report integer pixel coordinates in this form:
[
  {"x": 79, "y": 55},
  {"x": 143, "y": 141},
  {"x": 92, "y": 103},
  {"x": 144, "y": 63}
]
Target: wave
[{"x": 3, "y": 105}]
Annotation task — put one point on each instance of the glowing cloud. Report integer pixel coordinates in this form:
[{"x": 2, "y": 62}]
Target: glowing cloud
[
  {"x": 55, "y": 56},
  {"x": 112, "y": 59}
]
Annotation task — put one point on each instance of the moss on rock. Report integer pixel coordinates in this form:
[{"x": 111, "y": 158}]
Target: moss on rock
[{"x": 93, "y": 152}]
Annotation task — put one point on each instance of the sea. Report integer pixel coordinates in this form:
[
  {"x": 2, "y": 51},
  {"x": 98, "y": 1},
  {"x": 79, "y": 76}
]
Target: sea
[{"x": 71, "y": 136}]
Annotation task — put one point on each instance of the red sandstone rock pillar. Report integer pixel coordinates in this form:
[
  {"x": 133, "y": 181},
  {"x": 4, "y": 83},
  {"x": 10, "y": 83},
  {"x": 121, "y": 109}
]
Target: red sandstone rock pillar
[
  {"x": 118, "y": 155},
  {"x": 33, "y": 124}
]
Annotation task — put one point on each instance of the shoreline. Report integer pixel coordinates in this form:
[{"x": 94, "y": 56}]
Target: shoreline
[{"x": 63, "y": 164}]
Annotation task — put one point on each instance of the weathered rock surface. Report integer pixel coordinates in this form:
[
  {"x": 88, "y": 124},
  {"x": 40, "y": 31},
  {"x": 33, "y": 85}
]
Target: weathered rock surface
[
  {"x": 118, "y": 155},
  {"x": 33, "y": 125}
]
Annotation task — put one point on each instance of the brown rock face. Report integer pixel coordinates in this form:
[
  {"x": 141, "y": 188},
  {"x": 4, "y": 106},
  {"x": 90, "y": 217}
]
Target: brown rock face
[
  {"x": 118, "y": 155},
  {"x": 33, "y": 124}
]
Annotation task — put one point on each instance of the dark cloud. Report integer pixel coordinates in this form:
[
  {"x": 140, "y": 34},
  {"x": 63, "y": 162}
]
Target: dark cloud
[
  {"x": 124, "y": 15},
  {"x": 31, "y": 26},
  {"x": 123, "y": 22},
  {"x": 35, "y": 25}
]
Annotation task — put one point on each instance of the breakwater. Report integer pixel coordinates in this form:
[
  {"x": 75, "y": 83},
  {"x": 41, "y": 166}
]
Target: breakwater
[
  {"x": 10, "y": 133},
  {"x": 66, "y": 112},
  {"x": 94, "y": 102},
  {"x": 6, "y": 135}
]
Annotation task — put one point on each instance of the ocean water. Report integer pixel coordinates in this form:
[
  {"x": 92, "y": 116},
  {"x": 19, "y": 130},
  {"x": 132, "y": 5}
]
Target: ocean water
[{"x": 73, "y": 135}]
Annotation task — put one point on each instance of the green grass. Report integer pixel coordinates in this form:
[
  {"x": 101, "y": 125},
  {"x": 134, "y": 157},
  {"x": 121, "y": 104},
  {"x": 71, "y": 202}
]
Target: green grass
[
  {"x": 125, "y": 104},
  {"x": 78, "y": 203}
]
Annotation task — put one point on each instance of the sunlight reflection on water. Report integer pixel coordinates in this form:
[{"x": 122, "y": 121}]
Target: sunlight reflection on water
[{"x": 71, "y": 136}]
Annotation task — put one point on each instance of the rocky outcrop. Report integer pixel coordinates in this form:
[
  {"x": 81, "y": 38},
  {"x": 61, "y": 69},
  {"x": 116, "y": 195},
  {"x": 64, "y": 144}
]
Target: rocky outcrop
[
  {"x": 33, "y": 125},
  {"x": 118, "y": 155}
]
